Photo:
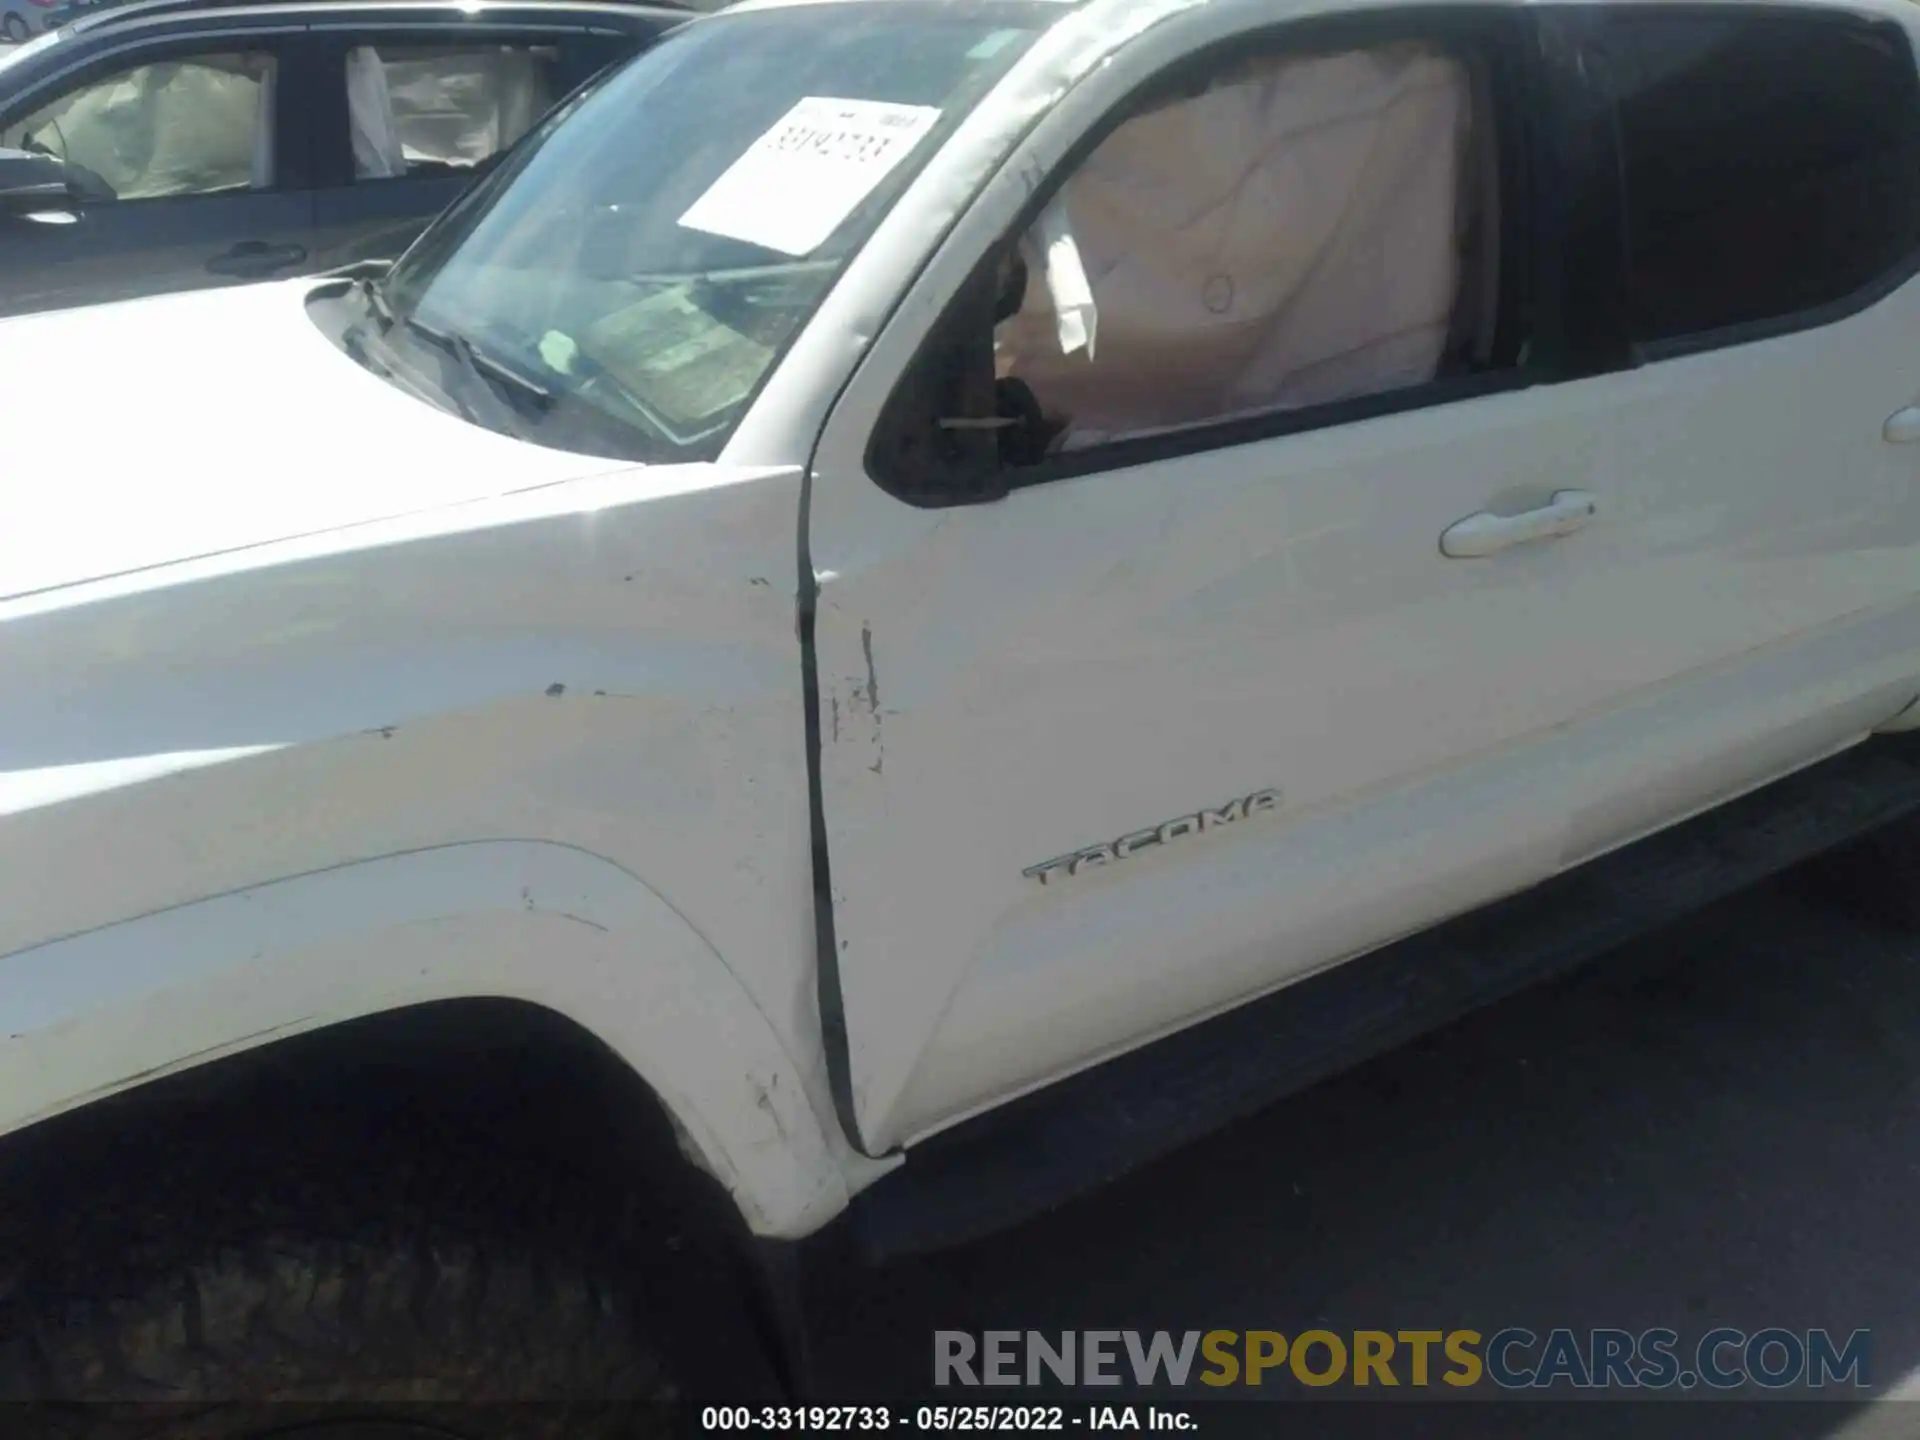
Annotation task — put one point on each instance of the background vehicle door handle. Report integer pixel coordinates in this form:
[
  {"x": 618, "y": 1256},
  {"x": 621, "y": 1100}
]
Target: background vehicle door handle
[
  {"x": 255, "y": 259},
  {"x": 1903, "y": 426},
  {"x": 1487, "y": 533}
]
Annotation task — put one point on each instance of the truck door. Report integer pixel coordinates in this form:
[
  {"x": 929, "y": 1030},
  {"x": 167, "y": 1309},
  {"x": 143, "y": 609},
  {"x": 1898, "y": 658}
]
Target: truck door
[
  {"x": 1200, "y": 703},
  {"x": 1317, "y": 554}
]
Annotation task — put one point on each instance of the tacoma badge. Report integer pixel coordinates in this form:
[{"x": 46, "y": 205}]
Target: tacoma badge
[{"x": 1132, "y": 844}]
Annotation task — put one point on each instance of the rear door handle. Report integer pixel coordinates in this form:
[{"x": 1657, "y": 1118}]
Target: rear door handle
[
  {"x": 1487, "y": 533},
  {"x": 255, "y": 259},
  {"x": 1903, "y": 426}
]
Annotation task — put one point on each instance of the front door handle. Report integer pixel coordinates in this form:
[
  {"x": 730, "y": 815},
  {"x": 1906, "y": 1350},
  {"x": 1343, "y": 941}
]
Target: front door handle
[
  {"x": 1487, "y": 533},
  {"x": 256, "y": 259},
  {"x": 1903, "y": 426}
]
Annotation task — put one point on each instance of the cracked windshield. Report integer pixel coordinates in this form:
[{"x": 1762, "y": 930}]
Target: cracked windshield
[{"x": 622, "y": 285}]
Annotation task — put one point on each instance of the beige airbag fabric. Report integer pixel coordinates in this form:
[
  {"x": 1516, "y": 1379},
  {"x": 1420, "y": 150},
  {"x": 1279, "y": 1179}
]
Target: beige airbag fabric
[{"x": 1289, "y": 237}]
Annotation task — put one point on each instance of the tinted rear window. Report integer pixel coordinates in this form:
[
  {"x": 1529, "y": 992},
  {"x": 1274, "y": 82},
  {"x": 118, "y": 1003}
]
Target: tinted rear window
[{"x": 1772, "y": 162}]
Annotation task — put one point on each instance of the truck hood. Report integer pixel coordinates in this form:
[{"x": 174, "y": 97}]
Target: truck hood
[{"x": 154, "y": 431}]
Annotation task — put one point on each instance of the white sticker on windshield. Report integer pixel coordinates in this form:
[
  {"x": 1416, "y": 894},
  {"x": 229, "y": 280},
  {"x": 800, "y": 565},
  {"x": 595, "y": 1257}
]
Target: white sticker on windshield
[{"x": 797, "y": 182}]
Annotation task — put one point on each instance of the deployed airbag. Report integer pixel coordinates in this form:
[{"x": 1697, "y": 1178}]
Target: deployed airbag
[
  {"x": 452, "y": 107},
  {"x": 1288, "y": 237},
  {"x": 193, "y": 126}
]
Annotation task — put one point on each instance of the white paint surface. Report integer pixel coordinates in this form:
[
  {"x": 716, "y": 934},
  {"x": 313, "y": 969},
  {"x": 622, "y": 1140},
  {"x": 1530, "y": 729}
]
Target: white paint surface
[{"x": 315, "y": 701}]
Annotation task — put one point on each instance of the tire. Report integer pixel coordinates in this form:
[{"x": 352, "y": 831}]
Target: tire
[
  {"x": 15, "y": 27},
  {"x": 288, "y": 1333},
  {"x": 223, "y": 1293}
]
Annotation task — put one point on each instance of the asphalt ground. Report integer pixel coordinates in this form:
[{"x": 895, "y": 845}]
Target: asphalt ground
[{"x": 1717, "y": 1126}]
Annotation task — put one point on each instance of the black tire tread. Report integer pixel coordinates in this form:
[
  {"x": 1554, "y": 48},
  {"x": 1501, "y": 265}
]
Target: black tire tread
[{"x": 217, "y": 1284}]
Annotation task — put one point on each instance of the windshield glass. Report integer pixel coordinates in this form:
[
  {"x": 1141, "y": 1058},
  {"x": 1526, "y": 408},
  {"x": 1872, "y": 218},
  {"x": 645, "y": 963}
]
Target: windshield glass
[{"x": 631, "y": 273}]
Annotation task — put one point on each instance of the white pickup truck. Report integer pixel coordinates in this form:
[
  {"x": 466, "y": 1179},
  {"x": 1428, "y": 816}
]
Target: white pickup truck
[{"x": 908, "y": 606}]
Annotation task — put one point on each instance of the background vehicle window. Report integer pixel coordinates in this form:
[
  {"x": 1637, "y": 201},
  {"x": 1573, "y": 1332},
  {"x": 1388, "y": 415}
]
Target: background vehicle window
[
  {"x": 197, "y": 125},
  {"x": 1772, "y": 163},
  {"x": 1307, "y": 229},
  {"x": 419, "y": 109}
]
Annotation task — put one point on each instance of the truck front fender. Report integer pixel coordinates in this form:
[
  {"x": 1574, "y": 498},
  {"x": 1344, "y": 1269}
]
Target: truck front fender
[{"x": 89, "y": 1014}]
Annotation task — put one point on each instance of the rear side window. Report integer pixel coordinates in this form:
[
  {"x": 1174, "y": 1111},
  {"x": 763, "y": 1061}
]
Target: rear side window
[
  {"x": 1771, "y": 163},
  {"x": 422, "y": 110}
]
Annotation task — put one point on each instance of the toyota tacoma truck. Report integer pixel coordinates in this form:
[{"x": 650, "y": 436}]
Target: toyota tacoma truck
[{"x": 906, "y": 607}]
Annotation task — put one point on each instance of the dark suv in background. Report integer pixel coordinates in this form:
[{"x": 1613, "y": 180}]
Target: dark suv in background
[{"x": 177, "y": 144}]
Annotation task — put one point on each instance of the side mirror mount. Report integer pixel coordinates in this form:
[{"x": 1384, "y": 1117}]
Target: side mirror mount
[
  {"x": 32, "y": 183},
  {"x": 939, "y": 438}
]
